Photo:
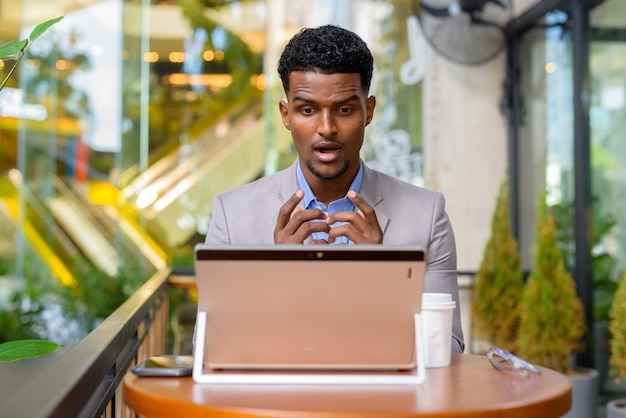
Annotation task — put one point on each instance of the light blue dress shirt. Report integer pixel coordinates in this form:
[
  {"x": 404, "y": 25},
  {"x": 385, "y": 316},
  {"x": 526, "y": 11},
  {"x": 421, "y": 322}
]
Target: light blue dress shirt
[{"x": 340, "y": 205}]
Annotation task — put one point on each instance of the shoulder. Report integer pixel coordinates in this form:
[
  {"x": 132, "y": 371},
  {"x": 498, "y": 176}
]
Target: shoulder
[
  {"x": 268, "y": 185},
  {"x": 398, "y": 189}
]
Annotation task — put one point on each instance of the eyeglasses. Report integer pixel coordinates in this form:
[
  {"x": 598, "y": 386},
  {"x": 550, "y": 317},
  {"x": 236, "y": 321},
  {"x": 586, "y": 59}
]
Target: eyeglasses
[{"x": 509, "y": 363}]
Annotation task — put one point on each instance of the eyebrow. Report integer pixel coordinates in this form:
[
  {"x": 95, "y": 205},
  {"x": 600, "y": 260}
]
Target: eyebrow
[{"x": 339, "y": 102}]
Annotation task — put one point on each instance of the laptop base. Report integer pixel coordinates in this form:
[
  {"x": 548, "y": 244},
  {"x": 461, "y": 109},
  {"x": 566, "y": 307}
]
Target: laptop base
[{"x": 412, "y": 377}]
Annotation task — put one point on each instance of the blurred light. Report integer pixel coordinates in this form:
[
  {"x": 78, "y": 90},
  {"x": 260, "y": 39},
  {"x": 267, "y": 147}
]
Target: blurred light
[
  {"x": 219, "y": 55},
  {"x": 550, "y": 67},
  {"x": 177, "y": 57},
  {"x": 16, "y": 177},
  {"x": 125, "y": 54},
  {"x": 151, "y": 56},
  {"x": 259, "y": 81},
  {"x": 146, "y": 198},
  {"x": 215, "y": 81},
  {"x": 1, "y": 64},
  {"x": 62, "y": 65},
  {"x": 208, "y": 55}
]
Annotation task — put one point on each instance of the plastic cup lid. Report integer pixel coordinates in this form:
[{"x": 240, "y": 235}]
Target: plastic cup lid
[{"x": 438, "y": 300}]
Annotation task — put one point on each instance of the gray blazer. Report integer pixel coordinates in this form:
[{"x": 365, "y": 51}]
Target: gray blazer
[{"x": 407, "y": 214}]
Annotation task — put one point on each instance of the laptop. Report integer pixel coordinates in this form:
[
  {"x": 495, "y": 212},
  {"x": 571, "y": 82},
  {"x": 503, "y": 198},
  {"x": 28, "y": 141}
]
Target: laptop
[{"x": 308, "y": 307}]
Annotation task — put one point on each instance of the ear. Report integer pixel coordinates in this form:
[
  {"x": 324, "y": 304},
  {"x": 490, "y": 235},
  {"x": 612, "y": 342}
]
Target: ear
[
  {"x": 370, "y": 104},
  {"x": 283, "y": 107}
]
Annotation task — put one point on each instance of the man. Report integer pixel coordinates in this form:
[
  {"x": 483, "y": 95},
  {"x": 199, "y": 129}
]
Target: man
[{"x": 329, "y": 196}]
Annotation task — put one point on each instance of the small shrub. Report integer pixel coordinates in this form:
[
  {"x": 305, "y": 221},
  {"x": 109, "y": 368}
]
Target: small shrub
[
  {"x": 617, "y": 328},
  {"x": 499, "y": 281},
  {"x": 552, "y": 319}
]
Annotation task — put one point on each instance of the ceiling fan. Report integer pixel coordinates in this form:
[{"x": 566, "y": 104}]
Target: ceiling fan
[{"x": 465, "y": 31}]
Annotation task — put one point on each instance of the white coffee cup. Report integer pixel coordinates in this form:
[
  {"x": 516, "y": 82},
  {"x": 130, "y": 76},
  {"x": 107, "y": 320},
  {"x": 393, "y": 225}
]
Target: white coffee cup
[{"x": 437, "y": 309}]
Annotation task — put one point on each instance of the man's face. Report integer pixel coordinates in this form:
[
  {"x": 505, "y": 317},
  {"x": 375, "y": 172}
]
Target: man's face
[{"x": 327, "y": 115}]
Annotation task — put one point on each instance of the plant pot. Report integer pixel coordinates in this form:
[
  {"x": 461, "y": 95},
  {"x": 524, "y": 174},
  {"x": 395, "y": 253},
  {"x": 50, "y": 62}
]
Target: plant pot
[
  {"x": 616, "y": 408},
  {"x": 584, "y": 393}
]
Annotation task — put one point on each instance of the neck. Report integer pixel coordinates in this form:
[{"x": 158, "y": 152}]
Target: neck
[{"x": 327, "y": 190}]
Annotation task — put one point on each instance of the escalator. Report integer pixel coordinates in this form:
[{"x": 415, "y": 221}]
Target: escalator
[
  {"x": 175, "y": 193},
  {"x": 62, "y": 225},
  {"x": 52, "y": 245}
]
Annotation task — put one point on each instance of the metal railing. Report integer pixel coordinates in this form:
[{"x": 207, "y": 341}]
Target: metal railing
[{"x": 85, "y": 380}]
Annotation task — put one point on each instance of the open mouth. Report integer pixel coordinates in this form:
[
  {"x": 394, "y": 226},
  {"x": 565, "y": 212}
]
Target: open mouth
[
  {"x": 327, "y": 152},
  {"x": 327, "y": 148}
]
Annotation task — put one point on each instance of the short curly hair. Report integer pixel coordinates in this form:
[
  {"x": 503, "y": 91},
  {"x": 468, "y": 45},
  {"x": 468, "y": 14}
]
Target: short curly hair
[{"x": 327, "y": 49}]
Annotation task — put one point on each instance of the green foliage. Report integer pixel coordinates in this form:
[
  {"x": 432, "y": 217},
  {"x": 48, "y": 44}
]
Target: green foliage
[
  {"x": 617, "y": 328},
  {"x": 552, "y": 319},
  {"x": 16, "y": 350},
  {"x": 94, "y": 297},
  {"x": 15, "y": 50},
  {"x": 499, "y": 281},
  {"x": 603, "y": 263},
  {"x": 19, "y": 319},
  {"x": 182, "y": 257},
  {"x": 97, "y": 294},
  {"x": 20, "y": 315}
]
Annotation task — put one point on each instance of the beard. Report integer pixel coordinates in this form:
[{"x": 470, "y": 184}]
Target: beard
[{"x": 341, "y": 172}]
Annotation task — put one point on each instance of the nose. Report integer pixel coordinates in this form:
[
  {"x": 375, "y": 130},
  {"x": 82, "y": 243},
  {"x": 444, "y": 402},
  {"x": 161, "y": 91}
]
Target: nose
[{"x": 326, "y": 126}]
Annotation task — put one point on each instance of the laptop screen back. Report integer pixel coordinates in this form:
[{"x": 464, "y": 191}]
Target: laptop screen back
[{"x": 310, "y": 307}]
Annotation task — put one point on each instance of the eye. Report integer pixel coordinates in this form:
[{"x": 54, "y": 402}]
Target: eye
[{"x": 344, "y": 110}]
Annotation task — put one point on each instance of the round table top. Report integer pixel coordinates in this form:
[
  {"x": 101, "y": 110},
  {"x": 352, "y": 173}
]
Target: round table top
[{"x": 470, "y": 387}]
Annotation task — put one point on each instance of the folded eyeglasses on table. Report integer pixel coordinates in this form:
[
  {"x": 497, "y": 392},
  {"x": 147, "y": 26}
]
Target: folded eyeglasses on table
[{"x": 510, "y": 363}]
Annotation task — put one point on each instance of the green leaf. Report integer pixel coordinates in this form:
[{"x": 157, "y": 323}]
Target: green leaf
[
  {"x": 16, "y": 350},
  {"x": 11, "y": 50},
  {"x": 15, "y": 50},
  {"x": 42, "y": 27}
]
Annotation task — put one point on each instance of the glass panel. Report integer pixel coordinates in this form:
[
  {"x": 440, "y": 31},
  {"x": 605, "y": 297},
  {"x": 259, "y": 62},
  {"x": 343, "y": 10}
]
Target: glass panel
[
  {"x": 546, "y": 132},
  {"x": 608, "y": 149}
]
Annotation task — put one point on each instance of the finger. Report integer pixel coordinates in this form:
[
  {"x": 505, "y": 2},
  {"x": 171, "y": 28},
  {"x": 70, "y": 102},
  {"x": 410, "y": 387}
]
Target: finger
[
  {"x": 365, "y": 209},
  {"x": 287, "y": 209},
  {"x": 318, "y": 242},
  {"x": 300, "y": 226},
  {"x": 293, "y": 212},
  {"x": 309, "y": 222},
  {"x": 361, "y": 227},
  {"x": 294, "y": 224},
  {"x": 348, "y": 231},
  {"x": 297, "y": 230}
]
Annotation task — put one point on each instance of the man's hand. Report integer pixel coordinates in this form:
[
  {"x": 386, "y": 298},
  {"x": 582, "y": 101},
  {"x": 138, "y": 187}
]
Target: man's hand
[
  {"x": 361, "y": 226},
  {"x": 294, "y": 225}
]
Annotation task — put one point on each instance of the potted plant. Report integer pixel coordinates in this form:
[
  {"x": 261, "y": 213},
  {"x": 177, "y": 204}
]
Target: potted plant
[
  {"x": 552, "y": 319},
  {"x": 617, "y": 328},
  {"x": 15, "y": 50},
  {"x": 499, "y": 282}
]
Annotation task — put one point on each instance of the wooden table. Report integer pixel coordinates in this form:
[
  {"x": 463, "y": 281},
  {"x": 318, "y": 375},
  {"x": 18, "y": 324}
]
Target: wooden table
[{"x": 470, "y": 387}]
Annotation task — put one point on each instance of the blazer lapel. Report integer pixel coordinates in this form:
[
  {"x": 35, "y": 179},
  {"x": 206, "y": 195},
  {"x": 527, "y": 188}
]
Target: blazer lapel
[
  {"x": 372, "y": 192},
  {"x": 288, "y": 183}
]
